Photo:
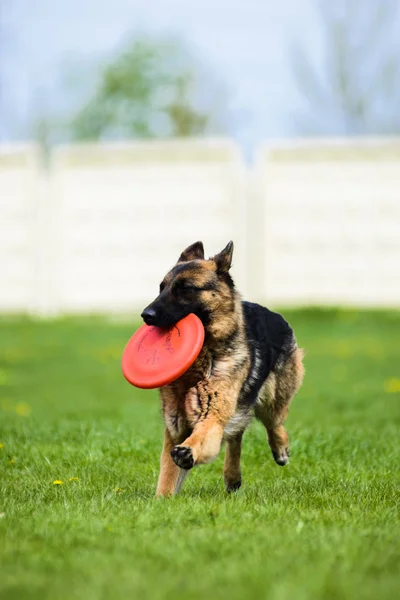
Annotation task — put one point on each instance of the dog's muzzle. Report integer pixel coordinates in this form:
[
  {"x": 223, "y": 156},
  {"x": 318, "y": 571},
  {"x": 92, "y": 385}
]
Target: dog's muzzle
[{"x": 149, "y": 316}]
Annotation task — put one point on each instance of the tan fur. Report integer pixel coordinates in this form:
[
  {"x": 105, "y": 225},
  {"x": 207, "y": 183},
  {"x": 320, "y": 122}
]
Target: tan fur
[
  {"x": 201, "y": 408},
  {"x": 204, "y": 399},
  {"x": 197, "y": 415},
  {"x": 217, "y": 397}
]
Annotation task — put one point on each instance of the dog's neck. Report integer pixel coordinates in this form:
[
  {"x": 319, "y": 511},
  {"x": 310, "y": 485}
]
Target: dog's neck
[{"x": 221, "y": 330}]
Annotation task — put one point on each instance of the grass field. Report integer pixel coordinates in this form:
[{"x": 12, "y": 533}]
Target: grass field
[{"x": 79, "y": 451}]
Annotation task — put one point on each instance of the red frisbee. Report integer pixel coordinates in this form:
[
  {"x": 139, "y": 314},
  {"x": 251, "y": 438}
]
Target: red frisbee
[{"x": 156, "y": 356}]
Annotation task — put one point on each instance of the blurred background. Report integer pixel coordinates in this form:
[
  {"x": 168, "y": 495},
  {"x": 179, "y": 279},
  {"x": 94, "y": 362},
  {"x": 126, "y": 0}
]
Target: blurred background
[{"x": 130, "y": 129}]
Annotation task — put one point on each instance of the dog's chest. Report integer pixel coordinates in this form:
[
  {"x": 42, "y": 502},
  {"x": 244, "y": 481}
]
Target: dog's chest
[{"x": 182, "y": 409}]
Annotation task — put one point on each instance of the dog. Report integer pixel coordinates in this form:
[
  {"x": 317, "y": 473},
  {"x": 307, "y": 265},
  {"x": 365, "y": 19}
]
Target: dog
[{"x": 249, "y": 366}]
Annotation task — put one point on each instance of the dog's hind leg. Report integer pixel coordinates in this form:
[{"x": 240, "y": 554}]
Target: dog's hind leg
[
  {"x": 273, "y": 403},
  {"x": 171, "y": 476},
  {"x": 272, "y": 417},
  {"x": 232, "y": 473}
]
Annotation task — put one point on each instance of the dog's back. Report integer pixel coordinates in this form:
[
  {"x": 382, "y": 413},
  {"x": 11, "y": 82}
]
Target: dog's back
[{"x": 270, "y": 338}]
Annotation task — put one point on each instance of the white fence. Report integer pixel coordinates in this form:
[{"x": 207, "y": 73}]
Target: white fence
[
  {"x": 313, "y": 222},
  {"x": 330, "y": 227},
  {"x": 20, "y": 207}
]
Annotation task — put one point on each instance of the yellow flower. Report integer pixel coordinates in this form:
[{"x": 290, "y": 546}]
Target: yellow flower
[
  {"x": 73, "y": 479},
  {"x": 118, "y": 490},
  {"x": 11, "y": 461},
  {"x": 58, "y": 482},
  {"x": 23, "y": 409},
  {"x": 1, "y": 445},
  {"x": 392, "y": 385}
]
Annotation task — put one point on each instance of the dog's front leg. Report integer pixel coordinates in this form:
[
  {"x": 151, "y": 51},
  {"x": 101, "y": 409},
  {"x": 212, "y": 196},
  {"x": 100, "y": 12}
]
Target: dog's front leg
[
  {"x": 216, "y": 405},
  {"x": 171, "y": 476}
]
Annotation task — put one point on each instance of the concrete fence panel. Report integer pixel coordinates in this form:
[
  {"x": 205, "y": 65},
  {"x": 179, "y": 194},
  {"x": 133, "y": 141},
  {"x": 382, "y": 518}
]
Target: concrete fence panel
[
  {"x": 314, "y": 222},
  {"x": 124, "y": 212},
  {"x": 329, "y": 222},
  {"x": 20, "y": 228}
]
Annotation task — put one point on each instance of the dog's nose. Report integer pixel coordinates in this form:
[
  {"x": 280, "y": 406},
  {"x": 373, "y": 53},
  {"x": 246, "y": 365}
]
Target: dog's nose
[{"x": 149, "y": 316}]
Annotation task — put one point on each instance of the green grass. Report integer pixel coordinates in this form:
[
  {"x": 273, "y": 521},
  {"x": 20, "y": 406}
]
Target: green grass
[{"x": 326, "y": 526}]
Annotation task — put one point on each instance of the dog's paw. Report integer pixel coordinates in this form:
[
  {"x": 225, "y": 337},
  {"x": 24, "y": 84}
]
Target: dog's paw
[
  {"x": 281, "y": 457},
  {"x": 233, "y": 486},
  {"x": 183, "y": 457}
]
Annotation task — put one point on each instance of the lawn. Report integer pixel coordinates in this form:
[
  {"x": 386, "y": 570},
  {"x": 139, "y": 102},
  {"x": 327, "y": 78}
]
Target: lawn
[{"x": 79, "y": 452}]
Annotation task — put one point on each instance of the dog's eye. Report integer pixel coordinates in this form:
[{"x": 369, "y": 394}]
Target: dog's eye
[
  {"x": 162, "y": 286},
  {"x": 184, "y": 286}
]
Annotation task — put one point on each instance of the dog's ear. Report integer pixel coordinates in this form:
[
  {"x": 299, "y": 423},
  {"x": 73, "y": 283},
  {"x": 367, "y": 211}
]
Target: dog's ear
[
  {"x": 224, "y": 259},
  {"x": 192, "y": 252}
]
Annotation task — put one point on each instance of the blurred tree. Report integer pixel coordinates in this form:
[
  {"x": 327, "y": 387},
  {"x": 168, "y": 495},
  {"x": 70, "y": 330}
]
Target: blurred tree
[
  {"x": 154, "y": 88},
  {"x": 357, "y": 88}
]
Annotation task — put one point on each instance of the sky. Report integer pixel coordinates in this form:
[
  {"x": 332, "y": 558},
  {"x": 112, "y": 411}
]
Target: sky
[{"x": 248, "y": 43}]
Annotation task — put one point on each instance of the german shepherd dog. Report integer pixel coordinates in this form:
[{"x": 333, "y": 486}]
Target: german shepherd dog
[{"x": 249, "y": 365}]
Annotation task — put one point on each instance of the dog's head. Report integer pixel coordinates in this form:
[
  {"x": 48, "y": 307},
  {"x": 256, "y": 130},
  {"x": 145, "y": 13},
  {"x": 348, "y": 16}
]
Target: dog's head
[{"x": 194, "y": 285}]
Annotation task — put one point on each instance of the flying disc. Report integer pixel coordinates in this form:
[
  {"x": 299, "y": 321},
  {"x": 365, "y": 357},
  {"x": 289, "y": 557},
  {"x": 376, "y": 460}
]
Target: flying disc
[{"x": 156, "y": 356}]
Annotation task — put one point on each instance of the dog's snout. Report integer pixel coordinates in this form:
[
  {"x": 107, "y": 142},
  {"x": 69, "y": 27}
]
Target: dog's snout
[{"x": 149, "y": 316}]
